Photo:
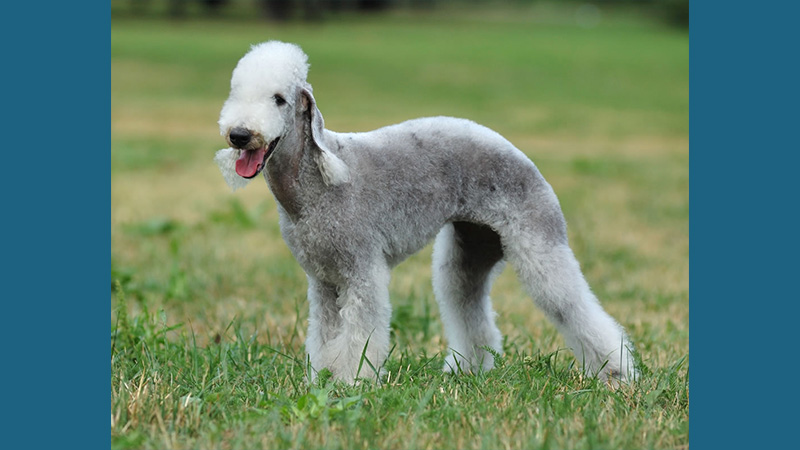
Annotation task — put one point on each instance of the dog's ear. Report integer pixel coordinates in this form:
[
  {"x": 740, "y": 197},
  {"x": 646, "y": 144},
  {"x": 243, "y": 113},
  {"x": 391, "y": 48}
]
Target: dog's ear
[{"x": 334, "y": 171}]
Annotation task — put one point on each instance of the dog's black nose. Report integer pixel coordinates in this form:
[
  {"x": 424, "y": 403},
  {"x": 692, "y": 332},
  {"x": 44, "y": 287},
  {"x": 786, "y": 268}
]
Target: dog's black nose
[{"x": 239, "y": 137}]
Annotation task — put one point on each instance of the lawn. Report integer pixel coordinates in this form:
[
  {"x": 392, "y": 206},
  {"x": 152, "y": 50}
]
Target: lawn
[{"x": 208, "y": 309}]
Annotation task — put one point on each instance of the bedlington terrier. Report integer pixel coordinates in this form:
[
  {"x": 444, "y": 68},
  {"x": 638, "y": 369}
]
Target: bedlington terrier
[{"x": 354, "y": 205}]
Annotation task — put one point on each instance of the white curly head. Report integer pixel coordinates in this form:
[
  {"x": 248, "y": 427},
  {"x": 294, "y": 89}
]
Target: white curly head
[{"x": 268, "y": 69}]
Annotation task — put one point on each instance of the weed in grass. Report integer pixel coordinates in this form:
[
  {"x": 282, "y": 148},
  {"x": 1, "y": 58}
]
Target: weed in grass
[{"x": 317, "y": 404}]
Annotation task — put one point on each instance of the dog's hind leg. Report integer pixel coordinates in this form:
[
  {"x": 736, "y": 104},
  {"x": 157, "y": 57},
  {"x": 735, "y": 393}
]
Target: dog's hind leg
[
  {"x": 547, "y": 267},
  {"x": 466, "y": 259}
]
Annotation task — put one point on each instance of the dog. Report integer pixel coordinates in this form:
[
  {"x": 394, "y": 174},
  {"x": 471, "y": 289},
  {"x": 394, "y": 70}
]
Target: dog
[{"x": 354, "y": 205}]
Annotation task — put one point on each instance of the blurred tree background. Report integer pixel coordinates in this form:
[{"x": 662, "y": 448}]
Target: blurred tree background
[{"x": 672, "y": 12}]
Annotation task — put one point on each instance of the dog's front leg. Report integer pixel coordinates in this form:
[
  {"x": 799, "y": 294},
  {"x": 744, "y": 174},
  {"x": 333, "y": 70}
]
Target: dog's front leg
[{"x": 349, "y": 326}]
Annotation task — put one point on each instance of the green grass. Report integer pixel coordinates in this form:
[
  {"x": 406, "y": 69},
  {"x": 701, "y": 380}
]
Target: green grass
[
  {"x": 244, "y": 390},
  {"x": 208, "y": 309}
]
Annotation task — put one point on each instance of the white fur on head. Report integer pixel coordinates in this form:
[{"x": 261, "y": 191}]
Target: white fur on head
[
  {"x": 226, "y": 160},
  {"x": 267, "y": 69}
]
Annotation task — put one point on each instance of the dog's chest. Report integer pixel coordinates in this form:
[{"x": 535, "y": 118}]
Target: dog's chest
[{"x": 319, "y": 250}]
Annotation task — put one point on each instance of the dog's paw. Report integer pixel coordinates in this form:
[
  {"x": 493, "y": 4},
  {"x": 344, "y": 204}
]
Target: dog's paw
[{"x": 614, "y": 375}]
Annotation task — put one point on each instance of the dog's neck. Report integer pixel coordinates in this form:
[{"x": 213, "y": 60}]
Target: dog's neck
[{"x": 293, "y": 176}]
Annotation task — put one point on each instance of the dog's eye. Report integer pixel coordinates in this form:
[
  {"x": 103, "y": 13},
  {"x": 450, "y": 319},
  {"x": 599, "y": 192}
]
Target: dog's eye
[{"x": 279, "y": 100}]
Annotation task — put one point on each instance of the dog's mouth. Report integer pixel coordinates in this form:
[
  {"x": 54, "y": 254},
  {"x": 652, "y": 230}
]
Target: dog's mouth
[{"x": 252, "y": 162}]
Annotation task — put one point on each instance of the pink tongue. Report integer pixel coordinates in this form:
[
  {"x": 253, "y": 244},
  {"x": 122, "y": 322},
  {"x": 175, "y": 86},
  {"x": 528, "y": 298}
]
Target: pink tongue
[{"x": 249, "y": 162}]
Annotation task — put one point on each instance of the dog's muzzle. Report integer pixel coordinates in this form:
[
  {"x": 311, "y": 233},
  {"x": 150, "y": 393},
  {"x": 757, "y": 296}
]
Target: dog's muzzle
[{"x": 252, "y": 161}]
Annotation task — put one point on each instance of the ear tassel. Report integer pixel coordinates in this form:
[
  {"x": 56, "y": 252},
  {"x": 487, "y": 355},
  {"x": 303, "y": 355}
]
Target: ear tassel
[{"x": 334, "y": 171}]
